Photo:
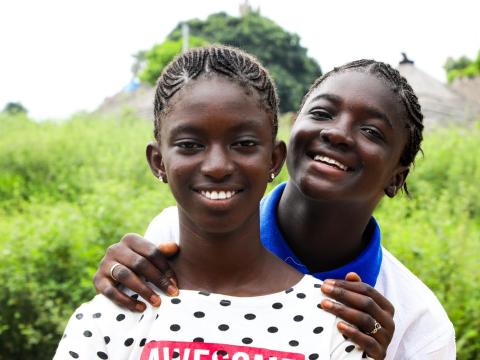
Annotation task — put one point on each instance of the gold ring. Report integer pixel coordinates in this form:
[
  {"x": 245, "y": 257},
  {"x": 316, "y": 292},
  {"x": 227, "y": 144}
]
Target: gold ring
[
  {"x": 375, "y": 329},
  {"x": 112, "y": 269}
]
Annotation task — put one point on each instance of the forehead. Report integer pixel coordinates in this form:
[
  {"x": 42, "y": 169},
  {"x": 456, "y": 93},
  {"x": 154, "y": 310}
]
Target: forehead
[
  {"x": 218, "y": 99},
  {"x": 358, "y": 89}
]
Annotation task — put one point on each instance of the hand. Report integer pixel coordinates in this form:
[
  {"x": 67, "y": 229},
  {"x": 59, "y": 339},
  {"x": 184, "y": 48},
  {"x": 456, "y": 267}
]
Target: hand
[
  {"x": 361, "y": 305},
  {"x": 137, "y": 257}
]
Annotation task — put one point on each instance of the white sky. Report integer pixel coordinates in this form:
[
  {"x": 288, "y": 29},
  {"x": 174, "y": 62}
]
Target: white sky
[{"x": 63, "y": 56}]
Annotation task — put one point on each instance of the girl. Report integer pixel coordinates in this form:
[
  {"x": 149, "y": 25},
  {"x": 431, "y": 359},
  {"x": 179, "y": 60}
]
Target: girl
[
  {"x": 215, "y": 129},
  {"x": 354, "y": 140}
]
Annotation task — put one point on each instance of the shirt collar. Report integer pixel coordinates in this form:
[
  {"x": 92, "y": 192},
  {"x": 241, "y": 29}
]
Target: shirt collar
[{"x": 367, "y": 264}]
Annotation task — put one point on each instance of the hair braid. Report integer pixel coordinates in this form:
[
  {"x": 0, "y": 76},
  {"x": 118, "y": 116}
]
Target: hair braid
[
  {"x": 402, "y": 89},
  {"x": 229, "y": 62}
]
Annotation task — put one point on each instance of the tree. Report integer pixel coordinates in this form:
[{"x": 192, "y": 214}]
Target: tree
[
  {"x": 279, "y": 50},
  {"x": 462, "y": 67},
  {"x": 155, "y": 59},
  {"x": 14, "y": 108}
]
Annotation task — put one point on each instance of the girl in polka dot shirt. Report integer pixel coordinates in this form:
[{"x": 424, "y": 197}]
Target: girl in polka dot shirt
[{"x": 215, "y": 145}]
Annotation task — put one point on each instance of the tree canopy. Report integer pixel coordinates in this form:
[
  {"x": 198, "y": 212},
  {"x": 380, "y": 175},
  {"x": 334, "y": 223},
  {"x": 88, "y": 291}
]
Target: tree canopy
[
  {"x": 14, "y": 108},
  {"x": 280, "y": 51},
  {"x": 462, "y": 67}
]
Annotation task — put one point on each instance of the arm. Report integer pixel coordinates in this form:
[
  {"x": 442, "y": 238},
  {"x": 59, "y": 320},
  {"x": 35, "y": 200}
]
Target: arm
[{"x": 361, "y": 305}]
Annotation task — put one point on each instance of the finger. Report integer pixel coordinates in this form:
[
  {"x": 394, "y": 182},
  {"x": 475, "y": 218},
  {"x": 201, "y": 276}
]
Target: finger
[
  {"x": 364, "y": 289},
  {"x": 353, "y": 276},
  {"x": 363, "y": 321},
  {"x": 107, "y": 288},
  {"x": 123, "y": 275},
  {"x": 369, "y": 344},
  {"x": 169, "y": 249},
  {"x": 165, "y": 276}
]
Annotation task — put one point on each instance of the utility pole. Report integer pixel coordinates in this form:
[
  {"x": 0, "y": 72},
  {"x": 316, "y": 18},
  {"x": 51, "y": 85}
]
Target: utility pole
[{"x": 185, "y": 35}]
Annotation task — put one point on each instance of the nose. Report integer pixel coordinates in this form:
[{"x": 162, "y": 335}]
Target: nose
[
  {"x": 337, "y": 136},
  {"x": 217, "y": 163}
]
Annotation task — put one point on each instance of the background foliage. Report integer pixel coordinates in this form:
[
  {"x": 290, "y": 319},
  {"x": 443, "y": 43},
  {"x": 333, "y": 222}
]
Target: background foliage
[
  {"x": 278, "y": 50},
  {"x": 462, "y": 67},
  {"x": 68, "y": 190}
]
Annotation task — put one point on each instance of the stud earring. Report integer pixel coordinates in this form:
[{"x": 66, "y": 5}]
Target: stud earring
[
  {"x": 272, "y": 176},
  {"x": 162, "y": 178}
]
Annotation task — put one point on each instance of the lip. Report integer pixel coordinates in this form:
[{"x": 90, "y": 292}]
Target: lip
[{"x": 331, "y": 160}]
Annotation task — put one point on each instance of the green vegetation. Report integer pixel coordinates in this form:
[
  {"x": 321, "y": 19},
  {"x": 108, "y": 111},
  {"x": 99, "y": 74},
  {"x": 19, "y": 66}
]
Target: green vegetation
[
  {"x": 462, "y": 67},
  {"x": 68, "y": 190},
  {"x": 13, "y": 108},
  {"x": 279, "y": 50}
]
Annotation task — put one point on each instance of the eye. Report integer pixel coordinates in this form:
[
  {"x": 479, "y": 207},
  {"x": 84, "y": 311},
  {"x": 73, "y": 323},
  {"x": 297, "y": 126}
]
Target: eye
[
  {"x": 246, "y": 145},
  {"x": 321, "y": 114},
  {"x": 373, "y": 133},
  {"x": 189, "y": 146}
]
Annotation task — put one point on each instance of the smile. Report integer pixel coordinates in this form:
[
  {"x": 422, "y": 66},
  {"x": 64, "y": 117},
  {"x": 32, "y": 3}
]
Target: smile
[
  {"x": 218, "y": 195},
  {"x": 330, "y": 161}
]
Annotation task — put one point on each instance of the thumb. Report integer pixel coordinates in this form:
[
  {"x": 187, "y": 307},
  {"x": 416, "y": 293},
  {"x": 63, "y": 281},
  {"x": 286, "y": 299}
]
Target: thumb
[
  {"x": 352, "y": 276},
  {"x": 168, "y": 249}
]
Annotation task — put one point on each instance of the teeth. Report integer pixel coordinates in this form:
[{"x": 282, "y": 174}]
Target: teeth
[
  {"x": 331, "y": 161},
  {"x": 218, "y": 195}
]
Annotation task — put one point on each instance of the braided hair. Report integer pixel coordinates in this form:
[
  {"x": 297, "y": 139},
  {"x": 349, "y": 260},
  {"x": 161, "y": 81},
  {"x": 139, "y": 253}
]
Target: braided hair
[
  {"x": 232, "y": 63},
  {"x": 402, "y": 89}
]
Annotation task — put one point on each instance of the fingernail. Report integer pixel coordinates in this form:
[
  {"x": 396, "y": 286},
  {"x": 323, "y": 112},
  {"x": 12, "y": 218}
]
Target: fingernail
[
  {"x": 173, "y": 282},
  {"x": 172, "y": 290},
  {"x": 327, "y": 288},
  {"x": 155, "y": 300},
  {"x": 329, "y": 281},
  {"x": 140, "y": 307},
  {"x": 342, "y": 326},
  {"x": 327, "y": 304}
]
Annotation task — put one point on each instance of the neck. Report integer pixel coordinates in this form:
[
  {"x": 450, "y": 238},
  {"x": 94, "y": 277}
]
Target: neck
[
  {"x": 327, "y": 234},
  {"x": 232, "y": 262}
]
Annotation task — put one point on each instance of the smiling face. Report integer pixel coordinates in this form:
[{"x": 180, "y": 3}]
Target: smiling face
[
  {"x": 347, "y": 140},
  {"x": 217, "y": 152}
]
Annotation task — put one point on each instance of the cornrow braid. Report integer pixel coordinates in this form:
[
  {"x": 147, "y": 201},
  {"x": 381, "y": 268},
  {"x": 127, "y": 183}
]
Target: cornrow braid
[
  {"x": 235, "y": 64},
  {"x": 402, "y": 89}
]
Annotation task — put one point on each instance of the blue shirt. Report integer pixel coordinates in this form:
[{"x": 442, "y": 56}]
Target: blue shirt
[{"x": 367, "y": 264}]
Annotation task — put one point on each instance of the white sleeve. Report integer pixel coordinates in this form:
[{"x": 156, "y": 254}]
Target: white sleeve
[
  {"x": 344, "y": 349},
  {"x": 164, "y": 227},
  {"x": 441, "y": 346},
  {"x": 82, "y": 338}
]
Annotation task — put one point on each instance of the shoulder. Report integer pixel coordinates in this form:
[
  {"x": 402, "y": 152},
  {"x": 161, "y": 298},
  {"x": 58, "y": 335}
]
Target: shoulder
[
  {"x": 421, "y": 323},
  {"x": 164, "y": 226}
]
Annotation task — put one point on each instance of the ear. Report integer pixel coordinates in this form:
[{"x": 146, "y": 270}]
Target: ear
[
  {"x": 155, "y": 160},
  {"x": 397, "y": 181},
  {"x": 279, "y": 155}
]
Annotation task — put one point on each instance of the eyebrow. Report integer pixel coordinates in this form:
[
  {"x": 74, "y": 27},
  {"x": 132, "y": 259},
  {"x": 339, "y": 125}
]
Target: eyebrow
[
  {"x": 371, "y": 111},
  {"x": 188, "y": 128}
]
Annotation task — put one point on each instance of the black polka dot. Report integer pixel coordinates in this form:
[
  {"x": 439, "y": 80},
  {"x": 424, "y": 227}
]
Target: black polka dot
[
  {"x": 176, "y": 301},
  {"x": 73, "y": 354},
  {"x": 301, "y": 295},
  {"x": 247, "y": 340},
  {"x": 174, "y": 327},
  {"x": 204, "y": 293},
  {"x": 198, "y": 339},
  {"x": 223, "y": 327},
  {"x": 298, "y": 318},
  {"x": 87, "y": 333},
  {"x": 293, "y": 343},
  {"x": 277, "y": 305},
  {"x": 313, "y": 356},
  {"x": 141, "y": 318},
  {"x": 142, "y": 342},
  {"x": 250, "y": 316},
  {"x": 319, "y": 306},
  {"x": 97, "y": 315},
  {"x": 102, "y": 355},
  {"x": 128, "y": 342},
  {"x": 225, "y": 302},
  {"x": 288, "y": 290},
  {"x": 318, "y": 330},
  {"x": 349, "y": 348},
  {"x": 106, "y": 339},
  {"x": 222, "y": 352},
  {"x": 79, "y": 316},
  {"x": 199, "y": 314},
  {"x": 120, "y": 317},
  {"x": 156, "y": 317},
  {"x": 272, "y": 329},
  {"x": 317, "y": 286},
  {"x": 134, "y": 296},
  {"x": 175, "y": 354}
]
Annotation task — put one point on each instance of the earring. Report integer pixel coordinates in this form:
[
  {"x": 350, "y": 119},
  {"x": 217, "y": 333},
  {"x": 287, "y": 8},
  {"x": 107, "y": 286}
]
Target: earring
[
  {"x": 272, "y": 176},
  {"x": 162, "y": 178}
]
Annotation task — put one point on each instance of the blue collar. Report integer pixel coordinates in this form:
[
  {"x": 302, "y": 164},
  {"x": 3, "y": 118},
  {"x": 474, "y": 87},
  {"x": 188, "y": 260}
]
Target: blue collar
[{"x": 367, "y": 264}]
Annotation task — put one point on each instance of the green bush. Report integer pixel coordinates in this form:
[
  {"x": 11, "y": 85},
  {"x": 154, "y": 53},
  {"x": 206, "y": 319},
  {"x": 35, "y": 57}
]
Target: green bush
[{"x": 68, "y": 190}]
